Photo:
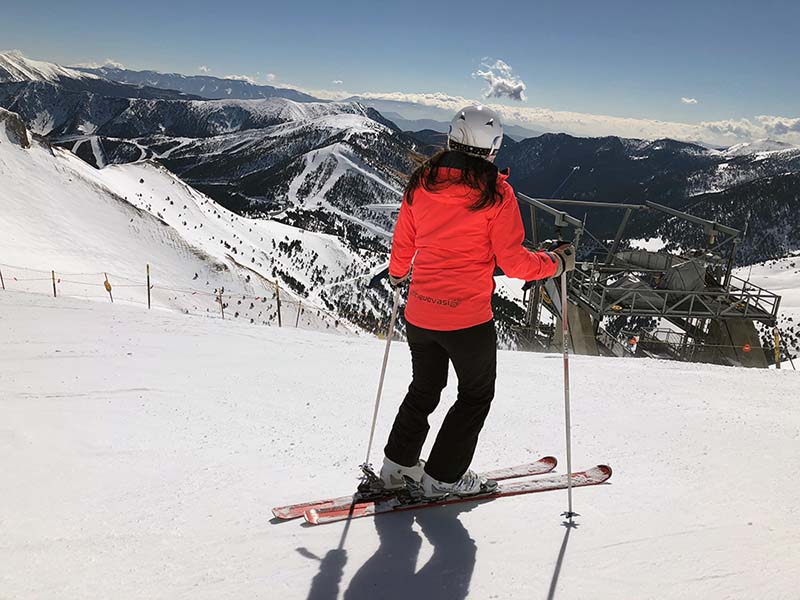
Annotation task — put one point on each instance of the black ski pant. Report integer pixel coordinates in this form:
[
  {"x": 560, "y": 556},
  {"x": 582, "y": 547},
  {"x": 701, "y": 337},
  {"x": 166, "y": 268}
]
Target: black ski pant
[{"x": 473, "y": 352}]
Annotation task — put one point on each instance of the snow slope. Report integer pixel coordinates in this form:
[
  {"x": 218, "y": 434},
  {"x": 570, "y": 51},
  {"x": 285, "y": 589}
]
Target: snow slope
[
  {"x": 781, "y": 276},
  {"x": 141, "y": 453}
]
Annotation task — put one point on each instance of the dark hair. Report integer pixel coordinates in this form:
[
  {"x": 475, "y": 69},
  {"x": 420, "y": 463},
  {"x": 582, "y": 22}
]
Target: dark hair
[{"x": 476, "y": 172}]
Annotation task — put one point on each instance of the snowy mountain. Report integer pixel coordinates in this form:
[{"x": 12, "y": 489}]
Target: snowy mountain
[
  {"x": 613, "y": 169},
  {"x": 205, "y": 86},
  {"x": 16, "y": 68},
  {"x": 758, "y": 147},
  {"x": 319, "y": 166},
  {"x": 60, "y": 213},
  {"x": 765, "y": 208},
  {"x": 54, "y": 88},
  {"x": 246, "y": 153},
  {"x": 314, "y": 166},
  {"x": 630, "y": 170}
]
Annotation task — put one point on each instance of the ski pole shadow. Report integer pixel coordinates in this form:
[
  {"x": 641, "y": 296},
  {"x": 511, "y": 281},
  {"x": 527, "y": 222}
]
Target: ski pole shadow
[
  {"x": 325, "y": 585},
  {"x": 569, "y": 525},
  {"x": 391, "y": 572}
]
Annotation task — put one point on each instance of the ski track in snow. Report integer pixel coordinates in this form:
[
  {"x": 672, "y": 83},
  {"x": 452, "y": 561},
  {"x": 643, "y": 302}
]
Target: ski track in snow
[
  {"x": 142, "y": 451},
  {"x": 97, "y": 150}
]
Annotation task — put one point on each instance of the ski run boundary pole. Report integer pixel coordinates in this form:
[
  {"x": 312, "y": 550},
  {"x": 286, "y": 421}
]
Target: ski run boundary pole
[
  {"x": 107, "y": 285},
  {"x": 278, "y": 298},
  {"x": 148, "y": 286},
  {"x": 395, "y": 306}
]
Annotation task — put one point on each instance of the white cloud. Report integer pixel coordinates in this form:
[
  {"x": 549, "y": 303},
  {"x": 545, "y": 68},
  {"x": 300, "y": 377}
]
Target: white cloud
[
  {"x": 686, "y": 100},
  {"x": 246, "y": 78},
  {"x": 271, "y": 77},
  {"x": 723, "y": 133},
  {"x": 337, "y": 82},
  {"x": 203, "y": 69},
  {"x": 106, "y": 63},
  {"x": 780, "y": 126},
  {"x": 502, "y": 81}
]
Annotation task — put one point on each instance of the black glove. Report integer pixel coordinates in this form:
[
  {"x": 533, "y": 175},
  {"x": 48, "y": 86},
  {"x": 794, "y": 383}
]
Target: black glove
[
  {"x": 375, "y": 282},
  {"x": 398, "y": 281}
]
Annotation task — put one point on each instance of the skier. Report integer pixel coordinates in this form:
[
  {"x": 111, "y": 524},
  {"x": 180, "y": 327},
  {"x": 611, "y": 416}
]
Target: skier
[{"x": 459, "y": 219}]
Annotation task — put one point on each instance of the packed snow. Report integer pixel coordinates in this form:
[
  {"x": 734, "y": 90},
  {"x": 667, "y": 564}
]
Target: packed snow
[{"x": 142, "y": 451}]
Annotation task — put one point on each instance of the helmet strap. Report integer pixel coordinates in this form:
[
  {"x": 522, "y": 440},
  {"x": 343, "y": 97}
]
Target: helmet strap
[{"x": 458, "y": 147}]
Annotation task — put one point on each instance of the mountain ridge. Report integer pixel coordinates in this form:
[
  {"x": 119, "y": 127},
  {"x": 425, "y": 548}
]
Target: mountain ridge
[{"x": 205, "y": 86}]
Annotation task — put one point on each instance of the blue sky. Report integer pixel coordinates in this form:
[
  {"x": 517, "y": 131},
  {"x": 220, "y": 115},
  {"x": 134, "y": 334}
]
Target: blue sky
[{"x": 626, "y": 59}]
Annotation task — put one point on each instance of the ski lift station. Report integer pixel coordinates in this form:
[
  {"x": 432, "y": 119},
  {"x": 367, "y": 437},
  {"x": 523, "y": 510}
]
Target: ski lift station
[{"x": 622, "y": 302}]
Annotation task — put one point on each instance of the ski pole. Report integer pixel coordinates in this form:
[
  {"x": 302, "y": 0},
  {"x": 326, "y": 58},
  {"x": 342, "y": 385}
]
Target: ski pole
[
  {"x": 390, "y": 335},
  {"x": 565, "y": 335}
]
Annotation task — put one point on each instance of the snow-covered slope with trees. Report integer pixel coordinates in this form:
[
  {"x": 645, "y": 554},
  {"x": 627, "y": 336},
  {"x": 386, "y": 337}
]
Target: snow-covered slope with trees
[
  {"x": 59, "y": 213},
  {"x": 141, "y": 453}
]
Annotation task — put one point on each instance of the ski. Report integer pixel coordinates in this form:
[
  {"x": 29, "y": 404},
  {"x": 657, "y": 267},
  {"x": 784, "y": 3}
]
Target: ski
[
  {"x": 292, "y": 511},
  {"x": 594, "y": 476}
]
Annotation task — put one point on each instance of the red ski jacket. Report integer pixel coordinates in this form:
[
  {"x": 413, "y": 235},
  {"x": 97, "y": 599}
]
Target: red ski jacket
[{"x": 454, "y": 251}]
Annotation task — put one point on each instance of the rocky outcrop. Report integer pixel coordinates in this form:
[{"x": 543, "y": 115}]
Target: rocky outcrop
[{"x": 15, "y": 128}]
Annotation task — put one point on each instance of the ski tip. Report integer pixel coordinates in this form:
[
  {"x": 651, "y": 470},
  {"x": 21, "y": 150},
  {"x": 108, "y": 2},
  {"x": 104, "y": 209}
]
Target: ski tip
[
  {"x": 550, "y": 460},
  {"x": 606, "y": 470},
  {"x": 312, "y": 516}
]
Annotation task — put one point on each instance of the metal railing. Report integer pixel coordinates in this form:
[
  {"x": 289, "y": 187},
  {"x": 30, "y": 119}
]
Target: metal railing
[
  {"x": 602, "y": 298},
  {"x": 612, "y": 344}
]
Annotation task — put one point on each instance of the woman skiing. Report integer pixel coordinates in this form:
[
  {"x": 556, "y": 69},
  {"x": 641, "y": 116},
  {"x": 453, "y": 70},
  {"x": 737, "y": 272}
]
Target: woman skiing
[{"x": 459, "y": 219}]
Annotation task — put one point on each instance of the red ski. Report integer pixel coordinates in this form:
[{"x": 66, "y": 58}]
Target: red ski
[
  {"x": 292, "y": 511},
  {"x": 594, "y": 476}
]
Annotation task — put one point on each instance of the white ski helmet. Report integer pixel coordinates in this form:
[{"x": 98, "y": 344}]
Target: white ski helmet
[{"x": 476, "y": 130}]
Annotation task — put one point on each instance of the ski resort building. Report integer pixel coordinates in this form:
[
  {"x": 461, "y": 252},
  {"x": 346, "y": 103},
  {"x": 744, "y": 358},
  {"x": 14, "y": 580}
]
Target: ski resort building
[{"x": 683, "y": 305}]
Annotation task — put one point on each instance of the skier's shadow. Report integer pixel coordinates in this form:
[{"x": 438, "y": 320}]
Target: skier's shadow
[{"x": 391, "y": 573}]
